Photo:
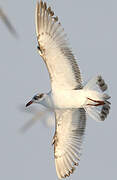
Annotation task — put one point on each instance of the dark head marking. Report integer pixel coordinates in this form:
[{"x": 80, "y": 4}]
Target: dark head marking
[
  {"x": 36, "y": 97},
  {"x": 41, "y": 95}
]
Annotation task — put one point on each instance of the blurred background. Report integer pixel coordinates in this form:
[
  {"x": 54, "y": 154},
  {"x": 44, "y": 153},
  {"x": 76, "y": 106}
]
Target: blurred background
[{"x": 26, "y": 153}]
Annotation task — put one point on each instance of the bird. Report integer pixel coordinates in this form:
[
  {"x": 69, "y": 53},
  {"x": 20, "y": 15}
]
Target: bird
[
  {"x": 7, "y": 22},
  {"x": 68, "y": 98}
]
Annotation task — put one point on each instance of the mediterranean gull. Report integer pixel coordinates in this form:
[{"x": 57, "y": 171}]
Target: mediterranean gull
[{"x": 68, "y": 98}]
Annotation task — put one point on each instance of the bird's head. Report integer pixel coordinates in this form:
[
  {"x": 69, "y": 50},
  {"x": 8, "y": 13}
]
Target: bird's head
[{"x": 38, "y": 98}]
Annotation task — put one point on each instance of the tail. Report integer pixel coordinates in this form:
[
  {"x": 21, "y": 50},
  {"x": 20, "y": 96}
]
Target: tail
[{"x": 98, "y": 105}]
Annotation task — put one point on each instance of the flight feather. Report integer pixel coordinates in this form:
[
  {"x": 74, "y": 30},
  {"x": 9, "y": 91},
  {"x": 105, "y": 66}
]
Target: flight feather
[{"x": 54, "y": 49}]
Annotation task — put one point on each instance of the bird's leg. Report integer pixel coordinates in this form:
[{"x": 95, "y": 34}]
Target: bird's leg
[{"x": 98, "y": 103}]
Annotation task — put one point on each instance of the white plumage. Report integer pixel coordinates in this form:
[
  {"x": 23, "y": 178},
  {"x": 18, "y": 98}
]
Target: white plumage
[
  {"x": 63, "y": 70},
  {"x": 68, "y": 138},
  {"x": 68, "y": 99}
]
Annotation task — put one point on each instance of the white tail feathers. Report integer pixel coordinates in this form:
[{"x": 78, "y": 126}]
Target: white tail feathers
[
  {"x": 96, "y": 82},
  {"x": 98, "y": 110}
]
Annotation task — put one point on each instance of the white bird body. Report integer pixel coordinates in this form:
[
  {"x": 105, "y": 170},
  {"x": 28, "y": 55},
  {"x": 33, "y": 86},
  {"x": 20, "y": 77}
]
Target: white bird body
[
  {"x": 68, "y": 98},
  {"x": 61, "y": 99},
  {"x": 74, "y": 98}
]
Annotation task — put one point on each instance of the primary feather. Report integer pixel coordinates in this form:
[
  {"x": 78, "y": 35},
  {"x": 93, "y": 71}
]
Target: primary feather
[
  {"x": 53, "y": 47},
  {"x": 68, "y": 138}
]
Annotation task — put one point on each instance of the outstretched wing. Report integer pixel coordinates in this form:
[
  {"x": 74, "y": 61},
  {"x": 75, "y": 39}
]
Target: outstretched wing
[
  {"x": 68, "y": 138},
  {"x": 53, "y": 47}
]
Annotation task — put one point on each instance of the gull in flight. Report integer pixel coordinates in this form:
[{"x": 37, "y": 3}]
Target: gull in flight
[{"x": 68, "y": 98}]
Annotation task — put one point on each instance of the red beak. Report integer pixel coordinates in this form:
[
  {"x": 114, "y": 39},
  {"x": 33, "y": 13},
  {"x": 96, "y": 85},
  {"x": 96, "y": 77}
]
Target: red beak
[{"x": 29, "y": 103}]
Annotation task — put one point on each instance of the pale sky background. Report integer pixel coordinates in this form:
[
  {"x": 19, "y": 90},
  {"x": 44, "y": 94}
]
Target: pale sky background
[{"x": 91, "y": 26}]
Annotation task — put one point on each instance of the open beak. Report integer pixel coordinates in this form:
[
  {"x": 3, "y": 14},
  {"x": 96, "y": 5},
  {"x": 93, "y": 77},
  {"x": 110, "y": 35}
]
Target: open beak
[{"x": 29, "y": 103}]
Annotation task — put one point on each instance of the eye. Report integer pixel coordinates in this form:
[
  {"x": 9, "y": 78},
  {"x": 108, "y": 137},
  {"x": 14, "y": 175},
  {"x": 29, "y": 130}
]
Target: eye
[{"x": 36, "y": 97}]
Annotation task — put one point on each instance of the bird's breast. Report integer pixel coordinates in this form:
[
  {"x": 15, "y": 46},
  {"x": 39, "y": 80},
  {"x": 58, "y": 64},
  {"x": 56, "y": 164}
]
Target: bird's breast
[{"x": 68, "y": 98}]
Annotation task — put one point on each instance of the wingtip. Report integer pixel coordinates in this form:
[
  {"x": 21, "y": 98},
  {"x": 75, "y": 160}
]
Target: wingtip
[
  {"x": 36, "y": 16},
  {"x": 45, "y": 5},
  {"x": 37, "y": 5},
  {"x": 41, "y": 3}
]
